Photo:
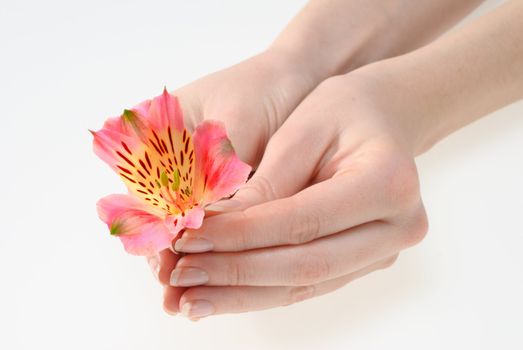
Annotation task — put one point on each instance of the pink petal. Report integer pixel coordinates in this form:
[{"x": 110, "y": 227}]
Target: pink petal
[
  {"x": 130, "y": 124},
  {"x": 162, "y": 112},
  {"x": 112, "y": 206},
  {"x": 107, "y": 143},
  {"x": 133, "y": 126},
  {"x": 119, "y": 134},
  {"x": 192, "y": 218},
  {"x": 141, "y": 229},
  {"x": 219, "y": 171},
  {"x": 149, "y": 240},
  {"x": 114, "y": 124}
]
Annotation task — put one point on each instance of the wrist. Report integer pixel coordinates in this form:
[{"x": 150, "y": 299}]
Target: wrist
[
  {"x": 293, "y": 68},
  {"x": 320, "y": 56},
  {"x": 407, "y": 112}
]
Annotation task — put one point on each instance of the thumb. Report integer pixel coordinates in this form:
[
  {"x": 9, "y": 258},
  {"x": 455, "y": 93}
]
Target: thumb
[{"x": 286, "y": 168}]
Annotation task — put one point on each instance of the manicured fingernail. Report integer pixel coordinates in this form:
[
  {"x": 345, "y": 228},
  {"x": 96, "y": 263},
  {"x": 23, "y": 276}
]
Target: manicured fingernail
[
  {"x": 172, "y": 313},
  {"x": 178, "y": 236},
  {"x": 188, "y": 276},
  {"x": 224, "y": 205},
  {"x": 196, "y": 309},
  {"x": 154, "y": 264},
  {"x": 193, "y": 245}
]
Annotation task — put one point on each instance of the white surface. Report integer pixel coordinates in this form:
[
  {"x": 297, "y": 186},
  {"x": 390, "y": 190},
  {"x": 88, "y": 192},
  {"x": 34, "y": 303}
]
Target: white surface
[{"x": 65, "y": 284}]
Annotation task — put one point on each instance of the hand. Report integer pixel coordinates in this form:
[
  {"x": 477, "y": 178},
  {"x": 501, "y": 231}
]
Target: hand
[
  {"x": 336, "y": 194},
  {"x": 252, "y": 99},
  {"x": 335, "y": 197}
]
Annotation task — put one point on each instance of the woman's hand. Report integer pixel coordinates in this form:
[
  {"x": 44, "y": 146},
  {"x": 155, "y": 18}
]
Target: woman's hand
[
  {"x": 334, "y": 198},
  {"x": 252, "y": 99},
  {"x": 336, "y": 194}
]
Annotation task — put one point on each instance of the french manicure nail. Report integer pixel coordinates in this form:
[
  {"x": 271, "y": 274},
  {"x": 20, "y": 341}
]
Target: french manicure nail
[
  {"x": 188, "y": 276},
  {"x": 196, "y": 309},
  {"x": 171, "y": 313},
  {"x": 178, "y": 237},
  {"x": 154, "y": 264},
  {"x": 193, "y": 245},
  {"x": 224, "y": 205}
]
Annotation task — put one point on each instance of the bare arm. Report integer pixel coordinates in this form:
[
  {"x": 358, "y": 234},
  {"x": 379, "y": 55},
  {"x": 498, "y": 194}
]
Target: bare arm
[
  {"x": 334, "y": 36},
  {"x": 336, "y": 195},
  {"x": 457, "y": 79}
]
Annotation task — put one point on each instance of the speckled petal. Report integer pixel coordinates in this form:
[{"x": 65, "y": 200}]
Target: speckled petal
[
  {"x": 219, "y": 171},
  {"x": 139, "y": 227}
]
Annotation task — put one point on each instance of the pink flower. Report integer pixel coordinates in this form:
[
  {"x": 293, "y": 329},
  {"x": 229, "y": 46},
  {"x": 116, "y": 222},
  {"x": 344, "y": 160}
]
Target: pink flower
[{"x": 171, "y": 175}]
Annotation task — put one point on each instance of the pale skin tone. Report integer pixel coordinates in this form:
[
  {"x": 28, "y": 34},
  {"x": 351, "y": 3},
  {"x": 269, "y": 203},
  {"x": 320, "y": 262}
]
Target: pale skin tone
[{"x": 336, "y": 193}]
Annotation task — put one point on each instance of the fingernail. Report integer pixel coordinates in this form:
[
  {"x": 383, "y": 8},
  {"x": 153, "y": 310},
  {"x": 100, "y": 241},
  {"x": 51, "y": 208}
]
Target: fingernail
[
  {"x": 193, "y": 245},
  {"x": 154, "y": 264},
  {"x": 169, "y": 312},
  {"x": 188, "y": 276},
  {"x": 197, "y": 309},
  {"x": 178, "y": 236},
  {"x": 224, "y": 205}
]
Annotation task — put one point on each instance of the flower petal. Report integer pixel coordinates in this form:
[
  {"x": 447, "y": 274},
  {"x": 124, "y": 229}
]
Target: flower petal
[
  {"x": 191, "y": 218},
  {"x": 155, "y": 164},
  {"x": 107, "y": 143},
  {"x": 162, "y": 111},
  {"x": 149, "y": 240},
  {"x": 219, "y": 171},
  {"x": 140, "y": 228}
]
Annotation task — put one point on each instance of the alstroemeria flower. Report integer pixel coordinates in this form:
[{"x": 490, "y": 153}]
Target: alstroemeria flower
[{"x": 171, "y": 175}]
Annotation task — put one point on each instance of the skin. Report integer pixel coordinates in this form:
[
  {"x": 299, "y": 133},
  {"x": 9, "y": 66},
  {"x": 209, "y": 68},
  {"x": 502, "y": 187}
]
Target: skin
[{"x": 320, "y": 222}]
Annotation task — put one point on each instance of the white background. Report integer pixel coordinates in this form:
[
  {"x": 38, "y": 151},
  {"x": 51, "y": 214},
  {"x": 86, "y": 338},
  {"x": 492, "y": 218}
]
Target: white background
[{"x": 66, "y": 284}]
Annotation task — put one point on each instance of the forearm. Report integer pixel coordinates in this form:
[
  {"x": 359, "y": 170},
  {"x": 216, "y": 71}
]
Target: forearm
[
  {"x": 335, "y": 36},
  {"x": 457, "y": 79}
]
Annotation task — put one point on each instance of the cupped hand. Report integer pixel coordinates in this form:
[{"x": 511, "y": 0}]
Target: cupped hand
[
  {"x": 336, "y": 196},
  {"x": 252, "y": 99}
]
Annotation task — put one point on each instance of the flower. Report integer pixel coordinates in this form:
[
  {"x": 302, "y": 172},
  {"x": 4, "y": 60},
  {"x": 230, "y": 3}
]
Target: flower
[{"x": 171, "y": 175}]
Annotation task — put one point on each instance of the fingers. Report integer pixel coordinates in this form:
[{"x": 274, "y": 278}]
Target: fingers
[
  {"x": 171, "y": 299},
  {"x": 288, "y": 164},
  {"x": 154, "y": 264},
  {"x": 167, "y": 262},
  {"x": 198, "y": 302},
  {"x": 345, "y": 201},
  {"x": 305, "y": 264}
]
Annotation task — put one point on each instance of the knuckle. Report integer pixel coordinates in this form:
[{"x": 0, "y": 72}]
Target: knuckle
[
  {"x": 303, "y": 228},
  {"x": 309, "y": 269},
  {"x": 402, "y": 183},
  {"x": 259, "y": 187},
  {"x": 235, "y": 274},
  {"x": 241, "y": 239},
  {"x": 417, "y": 228},
  {"x": 300, "y": 293},
  {"x": 389, "y": 262}
]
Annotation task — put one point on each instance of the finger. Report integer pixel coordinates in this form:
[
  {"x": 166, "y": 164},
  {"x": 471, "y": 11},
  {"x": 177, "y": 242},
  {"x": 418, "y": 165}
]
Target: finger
[
  {"x": 171, "y": 296},
  {"x": 167, "y": 262},
  {"x": 176, "y": 238},
  {"x": 309, "y": 263},
  {"x": 198, "y": 302},
  {"x": 289, "y": 162},
  {"x": 154, "y": 264},
  {"x": 171, "y": 299},
  {"x": 345, "y": 201}
]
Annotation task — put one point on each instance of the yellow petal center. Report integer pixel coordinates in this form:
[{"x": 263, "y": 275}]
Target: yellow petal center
[{"x": 161, "y": 172}]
